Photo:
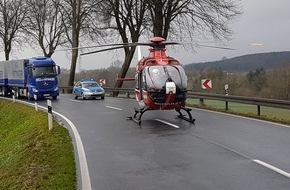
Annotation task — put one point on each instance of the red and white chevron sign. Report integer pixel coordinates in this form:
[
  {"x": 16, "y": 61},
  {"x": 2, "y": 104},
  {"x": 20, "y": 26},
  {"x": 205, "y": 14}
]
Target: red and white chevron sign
[
  {"x": 102, "y": 82},
  {"x": 206, "y": 84}
]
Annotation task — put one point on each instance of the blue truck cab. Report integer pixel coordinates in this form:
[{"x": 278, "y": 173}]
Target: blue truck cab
[{"x": 33, "y": 78}]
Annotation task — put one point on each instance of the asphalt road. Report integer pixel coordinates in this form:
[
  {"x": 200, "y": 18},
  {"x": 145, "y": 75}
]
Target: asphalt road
[{"x": 218, "y": 152}]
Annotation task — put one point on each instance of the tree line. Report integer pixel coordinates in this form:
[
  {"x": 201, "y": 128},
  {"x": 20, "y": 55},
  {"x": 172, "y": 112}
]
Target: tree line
[
  {"x": 50, "y": 25},
  {"x": 245, "y": 63},
  {"x": 273, "y": 83}
]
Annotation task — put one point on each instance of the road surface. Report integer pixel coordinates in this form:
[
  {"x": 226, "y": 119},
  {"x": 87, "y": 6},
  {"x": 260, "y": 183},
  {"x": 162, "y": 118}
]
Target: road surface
[{"x": 219, "y": 151}]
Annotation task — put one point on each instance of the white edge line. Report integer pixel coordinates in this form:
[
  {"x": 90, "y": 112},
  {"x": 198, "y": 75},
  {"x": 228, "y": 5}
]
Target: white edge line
[
  {"x": 240, "y": 116},
  {"x": 114, "y": 108},
  {"x": 85, "y": 176},
  {"x": 75, "y": 100},
  {"x": 167, "y": 123},
  {"x": 272, "y": 168}
]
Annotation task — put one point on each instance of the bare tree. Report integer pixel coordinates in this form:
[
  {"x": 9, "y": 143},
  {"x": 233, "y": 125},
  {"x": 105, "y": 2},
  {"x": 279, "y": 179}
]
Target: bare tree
[
  {"x": 127, "y": 17},
  {"x": 193, "y": 18},
  {"x": 44, "y": 24},
  {"x": 77, "y": 18},
  {"x": 182, "y": 19},
  {"x": 12, "y": 14}
]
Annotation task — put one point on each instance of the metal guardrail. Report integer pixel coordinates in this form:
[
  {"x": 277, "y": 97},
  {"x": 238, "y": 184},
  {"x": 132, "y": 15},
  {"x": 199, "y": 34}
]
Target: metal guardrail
[
  {"x": 284, "y": 104},
  {"x": 110, "y": 90}
]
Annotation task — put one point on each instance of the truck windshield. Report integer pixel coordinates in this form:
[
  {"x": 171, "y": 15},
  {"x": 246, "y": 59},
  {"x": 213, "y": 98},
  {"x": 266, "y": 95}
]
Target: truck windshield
[{"x": 44, "y": 71}]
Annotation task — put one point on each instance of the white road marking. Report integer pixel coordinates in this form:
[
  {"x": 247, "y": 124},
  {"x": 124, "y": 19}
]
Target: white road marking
[
  {"x": 167, "y": 123},
  {"x": 272, "y": 168},
  {"x": 74, "y": 100},
  {"x": 114, "y": 108},
  {"x": 244, "y": 117},
  {"x": 85, "y": 176}
]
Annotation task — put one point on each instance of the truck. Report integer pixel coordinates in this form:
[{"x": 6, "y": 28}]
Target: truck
[{"x": 33, "y": 78}]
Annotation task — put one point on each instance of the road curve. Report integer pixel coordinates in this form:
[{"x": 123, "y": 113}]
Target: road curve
[{"x": 220, "y": 151}]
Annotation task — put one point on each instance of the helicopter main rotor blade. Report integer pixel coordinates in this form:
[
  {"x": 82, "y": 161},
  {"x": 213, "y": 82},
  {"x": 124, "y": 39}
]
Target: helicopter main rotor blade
[
  {"x": 157, "y": 45},
  {"x": 134, "y": 44},
  {"x": 86, "y": 47},
  {"x": 217, "y": 47},
  {"x": 107, "y": 49}
]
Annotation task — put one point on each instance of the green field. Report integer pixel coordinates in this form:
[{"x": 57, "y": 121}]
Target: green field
[
  {"x": 267, "y": 113},
  {"x": 31, "y": 156}
]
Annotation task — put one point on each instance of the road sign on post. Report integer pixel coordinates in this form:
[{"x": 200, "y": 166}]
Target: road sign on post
[
  {"x": 206, "y": 83},
  {"x": 102, "y": 82},
  {"x": 226, "y": 89}
]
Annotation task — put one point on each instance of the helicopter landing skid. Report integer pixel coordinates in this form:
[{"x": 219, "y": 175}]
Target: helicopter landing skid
[
  {"x": 137, "y": 119},
  {"x": 182, "y": 116}
]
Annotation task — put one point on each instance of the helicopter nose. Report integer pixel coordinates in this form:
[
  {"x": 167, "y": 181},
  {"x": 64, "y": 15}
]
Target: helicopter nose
[{"x": 170, "y": 88}]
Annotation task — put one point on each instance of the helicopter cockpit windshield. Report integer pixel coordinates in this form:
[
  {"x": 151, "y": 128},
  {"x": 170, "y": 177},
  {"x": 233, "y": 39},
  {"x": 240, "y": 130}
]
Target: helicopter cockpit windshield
[{"x": 157, "y": 76}]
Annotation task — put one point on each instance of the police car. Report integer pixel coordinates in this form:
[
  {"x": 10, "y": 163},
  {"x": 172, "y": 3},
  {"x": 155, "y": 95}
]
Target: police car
[{"x": 88, "y": 89}]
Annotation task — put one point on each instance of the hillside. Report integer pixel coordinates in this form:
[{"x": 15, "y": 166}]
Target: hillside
[{"x": 245, "y": 63}]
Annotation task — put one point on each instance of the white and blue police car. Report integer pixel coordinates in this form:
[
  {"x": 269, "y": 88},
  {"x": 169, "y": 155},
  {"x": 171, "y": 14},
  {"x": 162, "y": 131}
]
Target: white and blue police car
[{"x": 88, "y": 88}]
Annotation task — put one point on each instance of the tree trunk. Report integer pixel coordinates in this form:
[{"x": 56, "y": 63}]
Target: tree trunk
[
  {"x": 73, "y": 67},
  {"x": 124, "y": 69}
]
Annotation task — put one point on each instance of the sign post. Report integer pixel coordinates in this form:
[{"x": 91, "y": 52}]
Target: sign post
[
  {"x": 226, "y": 89},
  {"x": 227, "y": 93},
  {"x": 49, "y": 111}
]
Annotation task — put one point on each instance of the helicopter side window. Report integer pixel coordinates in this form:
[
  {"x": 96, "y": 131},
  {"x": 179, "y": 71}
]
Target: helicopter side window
[
  {"x": 144, "y": 84},
  {"x": 140, "y": 80},
  {"x": 182, "y": 76}
]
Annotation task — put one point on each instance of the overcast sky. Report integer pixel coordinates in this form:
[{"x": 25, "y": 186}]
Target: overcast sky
[{"x": 263, "y": 21}]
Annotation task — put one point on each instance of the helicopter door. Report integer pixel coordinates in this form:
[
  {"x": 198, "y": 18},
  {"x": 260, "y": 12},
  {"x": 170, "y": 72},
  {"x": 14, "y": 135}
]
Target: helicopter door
[
  {"x": 139, "y": 85},
  {"x": 143, "y": 84}
]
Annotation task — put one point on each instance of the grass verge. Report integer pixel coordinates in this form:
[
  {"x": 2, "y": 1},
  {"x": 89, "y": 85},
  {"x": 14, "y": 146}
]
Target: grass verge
[
  {"x": 267, "y": 113},
  {"x": 31, "y": 156}
]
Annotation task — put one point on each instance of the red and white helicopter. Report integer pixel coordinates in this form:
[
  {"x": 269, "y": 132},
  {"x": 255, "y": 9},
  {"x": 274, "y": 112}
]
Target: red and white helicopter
[{"x": 161, "y": 82}]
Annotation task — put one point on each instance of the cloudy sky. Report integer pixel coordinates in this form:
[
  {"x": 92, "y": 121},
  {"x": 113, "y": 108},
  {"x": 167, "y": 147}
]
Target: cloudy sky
[{"x": 263, "y": 21}]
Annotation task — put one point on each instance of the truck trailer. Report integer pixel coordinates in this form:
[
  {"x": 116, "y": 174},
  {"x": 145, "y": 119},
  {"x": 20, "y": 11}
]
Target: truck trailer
[{"x": 33, "y": 78}]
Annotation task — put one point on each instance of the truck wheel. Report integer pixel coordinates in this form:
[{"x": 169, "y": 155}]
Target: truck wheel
[
  {"x": 4, "y": 91},
  {"x": 28, "y": 96},
  {"x": 17, "y": 96}
]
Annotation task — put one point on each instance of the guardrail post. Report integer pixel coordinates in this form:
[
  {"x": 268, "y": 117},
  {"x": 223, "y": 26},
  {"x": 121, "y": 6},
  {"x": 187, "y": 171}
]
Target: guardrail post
[
  {"x": 227, "y": 105},
  {"x": 49, "y": 111},
  {"x": 128, "y": 94},
  {"x": 259, "y": 110},
  {"x": 35, "y": 106},
  {"x": 201, "y": 102}
]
